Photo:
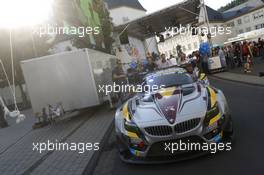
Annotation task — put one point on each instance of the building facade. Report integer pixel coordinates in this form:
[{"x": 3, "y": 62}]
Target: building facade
[
  {"x": 123, "y": 12},
  {"x": 240, "y": 19}
]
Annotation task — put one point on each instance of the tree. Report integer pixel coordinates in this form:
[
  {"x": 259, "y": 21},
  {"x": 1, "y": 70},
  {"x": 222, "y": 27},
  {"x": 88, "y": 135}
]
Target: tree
[
  {"x": 232, "y": 4},
  {"x": 76, "y": 13}
]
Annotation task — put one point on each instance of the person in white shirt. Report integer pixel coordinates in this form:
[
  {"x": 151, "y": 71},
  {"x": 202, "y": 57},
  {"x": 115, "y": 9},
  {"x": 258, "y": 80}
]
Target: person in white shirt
[
  {"x": 173, "y": 61},
  {"x": 163, "y": 62}
]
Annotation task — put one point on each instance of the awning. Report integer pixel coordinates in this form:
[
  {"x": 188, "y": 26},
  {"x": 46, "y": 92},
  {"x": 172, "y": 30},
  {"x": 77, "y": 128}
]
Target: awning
[{"x": 182, "y": 13}]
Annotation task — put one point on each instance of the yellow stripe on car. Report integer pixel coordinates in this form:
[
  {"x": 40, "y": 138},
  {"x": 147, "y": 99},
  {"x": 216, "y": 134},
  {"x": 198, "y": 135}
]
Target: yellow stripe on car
[
  {"x": 125, "y": 112},
  {"x": 216, "y": 118},
  {"x": 221, "y": 134},
  {"x": 132, "y": 134},
  {"x": 202, "y": 76},
  {"x": 167, "y": 92},
  {"x": 212, "y": 96}
]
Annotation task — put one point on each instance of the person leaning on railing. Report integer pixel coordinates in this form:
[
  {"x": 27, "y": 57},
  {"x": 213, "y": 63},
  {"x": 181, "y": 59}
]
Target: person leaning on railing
[
  {"x": 3, "y": 122},
  {"x": 119, "y": 77}
]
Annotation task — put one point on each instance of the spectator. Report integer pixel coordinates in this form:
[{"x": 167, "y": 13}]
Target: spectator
[
  {"x": 163, "y": 62},
  {"x": 205, "y": 64},
  {"x": 248, "y": 64},
  {"x": 183, "y": 59},
  {"x": 245, "y": 50},
  {"x": 261, "y": 47},
  {"x": 237, "y": 54},
  {"x": 230, "y": 55},
  {"x": 173, "y": 60},
  {"x": 3, "y": 122},
  {"x": 119, "y": 77},
  {"x": 151, "y": 65},
  {"x": 221, "y": 55}
]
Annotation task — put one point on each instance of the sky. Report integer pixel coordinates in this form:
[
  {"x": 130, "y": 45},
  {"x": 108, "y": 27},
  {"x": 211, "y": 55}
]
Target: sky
[{"x": 155, "y": 5}]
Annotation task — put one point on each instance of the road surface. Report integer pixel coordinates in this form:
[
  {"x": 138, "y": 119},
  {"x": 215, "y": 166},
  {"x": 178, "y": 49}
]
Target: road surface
[{"x": 247, "y": 107}]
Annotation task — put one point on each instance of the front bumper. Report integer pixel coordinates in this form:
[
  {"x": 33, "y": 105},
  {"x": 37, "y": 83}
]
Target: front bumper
[{"x": 155, "y": 154}]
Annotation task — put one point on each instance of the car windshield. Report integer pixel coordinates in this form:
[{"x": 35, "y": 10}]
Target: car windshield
[{"x": 169, "y": 80}]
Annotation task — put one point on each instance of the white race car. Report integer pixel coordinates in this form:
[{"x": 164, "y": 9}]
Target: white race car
[{"x": 185, "y": 109}]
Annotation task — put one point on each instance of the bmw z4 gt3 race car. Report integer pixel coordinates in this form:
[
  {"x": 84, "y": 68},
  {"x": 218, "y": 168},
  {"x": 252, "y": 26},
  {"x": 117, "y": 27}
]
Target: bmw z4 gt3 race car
[{"x": 150, "y": 126}]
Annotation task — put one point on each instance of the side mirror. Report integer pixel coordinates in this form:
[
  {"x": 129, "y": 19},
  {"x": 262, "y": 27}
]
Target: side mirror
[
  {"x": 203, "y": 79},
  {"x": 202, "y": 76}
]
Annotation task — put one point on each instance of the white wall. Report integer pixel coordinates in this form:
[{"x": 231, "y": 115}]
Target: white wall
[
  {"x": 151, "y": 45},
  {"x": 188, "y": 42},
  {"x": 248, "y": 21},
  {"x": 123, "y": 15}
]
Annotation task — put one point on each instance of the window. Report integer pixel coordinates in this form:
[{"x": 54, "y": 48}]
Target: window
[
  {"x": 125, "y": 19},
  {"x": 239, "y": 21},
  {"x": 231, "y": 24},
  {"x": 255, "y": 16},
  {"x": 183, "y": 48},
  {"x": 195, "y": 45},
  {"x": 246, "y": 19},
  {"x": 99, "y": 64},
  {"x": 248, "y": 29},
  {"x": 258, "y": 15},
  {"x": 169, "y": 80},
  {"x": 189, "y": 47},
  {"x": 260, "y": 26},
  {"x": 167, "y": 54}
]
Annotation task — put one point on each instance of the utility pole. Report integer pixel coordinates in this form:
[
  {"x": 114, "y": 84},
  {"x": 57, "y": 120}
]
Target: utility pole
[{"x": 206, "y": 21}]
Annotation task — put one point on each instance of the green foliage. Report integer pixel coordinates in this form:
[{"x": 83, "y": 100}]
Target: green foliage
[
  {"x": 78, "y": 13},
  {"x": 231, "y": 5}
]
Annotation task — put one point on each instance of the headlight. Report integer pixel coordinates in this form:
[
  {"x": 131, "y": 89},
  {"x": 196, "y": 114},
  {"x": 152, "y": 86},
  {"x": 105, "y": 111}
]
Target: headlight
[
  {"x": 211, "y": 114},
  {"x": 138, "y": 144},
  {"x": 130, "y": 126},
  {"x": 135, "y": 138}
]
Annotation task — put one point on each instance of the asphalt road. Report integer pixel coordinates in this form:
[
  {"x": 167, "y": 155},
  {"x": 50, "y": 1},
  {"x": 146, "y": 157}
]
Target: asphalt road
[{"x": 247, "y": 107}]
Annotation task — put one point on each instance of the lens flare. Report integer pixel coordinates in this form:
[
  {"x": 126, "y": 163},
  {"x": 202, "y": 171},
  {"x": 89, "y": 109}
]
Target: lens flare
[{"x": 22, "y": 13}]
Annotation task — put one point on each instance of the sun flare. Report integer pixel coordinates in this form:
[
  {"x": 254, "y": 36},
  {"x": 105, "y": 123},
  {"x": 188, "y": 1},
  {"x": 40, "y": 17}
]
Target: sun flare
[{"x": 21, "y": 13}]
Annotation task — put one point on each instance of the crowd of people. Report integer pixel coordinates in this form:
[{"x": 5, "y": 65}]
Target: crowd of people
[
  {"x": 237, "y": 54},
  {"x": 242, "y": 54},
  {"x": 135, "y": 73}
]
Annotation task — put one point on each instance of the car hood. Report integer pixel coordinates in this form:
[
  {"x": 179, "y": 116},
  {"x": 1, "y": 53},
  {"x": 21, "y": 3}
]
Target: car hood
[{"x": 170, "y": 106}]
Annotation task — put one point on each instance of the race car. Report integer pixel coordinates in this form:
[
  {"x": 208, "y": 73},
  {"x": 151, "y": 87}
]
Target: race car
[{"x": 181, "y": 108}]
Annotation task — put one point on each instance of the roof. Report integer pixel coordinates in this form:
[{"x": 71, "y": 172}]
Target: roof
[
  {"x": 129, "y": 3},
  {"x": 214, "y": 15},
  {"x": 182, "y": 13},
  {"x": 232, "y": 14}
]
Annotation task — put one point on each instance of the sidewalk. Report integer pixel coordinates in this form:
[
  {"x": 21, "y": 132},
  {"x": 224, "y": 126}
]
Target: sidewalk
[
  {"x": 85, "y": 128},
  {"x": 241, "y": 78},
  {"x": 258, "y": 66},
  {"x": 238, "y": 75},
  {"x": 12, "y": 134}
]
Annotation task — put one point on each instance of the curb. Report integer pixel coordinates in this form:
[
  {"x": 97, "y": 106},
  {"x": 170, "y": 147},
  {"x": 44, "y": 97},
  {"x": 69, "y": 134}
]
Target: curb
[
  {"x": 237, "y": 81},
  {"x": 89, "y": 169}
]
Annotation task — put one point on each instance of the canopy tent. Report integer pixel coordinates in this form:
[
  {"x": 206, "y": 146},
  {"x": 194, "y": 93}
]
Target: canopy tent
[
  {"x": 183, "y": 13},
  {"x": 255, "y": 34}
]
